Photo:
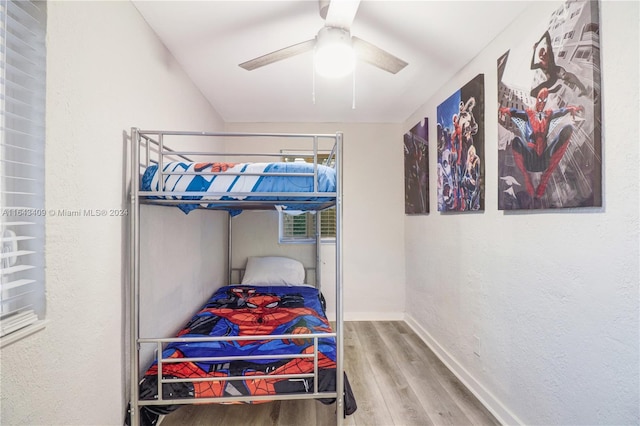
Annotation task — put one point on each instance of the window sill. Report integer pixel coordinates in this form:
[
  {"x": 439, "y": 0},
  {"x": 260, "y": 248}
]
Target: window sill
[
  {"x": 22, "y": 333},
  {"x": 327, "y": 240}
]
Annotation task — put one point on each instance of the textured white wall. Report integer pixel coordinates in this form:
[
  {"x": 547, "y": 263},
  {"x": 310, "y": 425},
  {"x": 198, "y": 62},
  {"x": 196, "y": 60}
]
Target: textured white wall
[
  {"x": 106, "y": 72},
  {"x": 256, "y": 234},
  {"x": 373, "y": 201},
  {"x": 182, "y": 261},
  {"x": 550, "y": 298}
]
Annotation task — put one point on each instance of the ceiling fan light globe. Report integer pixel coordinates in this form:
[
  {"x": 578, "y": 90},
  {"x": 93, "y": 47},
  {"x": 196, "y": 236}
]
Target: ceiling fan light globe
[
  {"x": 335, "y": 61},
  {"x": 334, "y": 55}
]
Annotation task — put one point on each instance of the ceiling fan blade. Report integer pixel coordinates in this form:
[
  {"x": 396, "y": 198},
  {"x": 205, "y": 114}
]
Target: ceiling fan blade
[
  {"x": 341, "y": 13},
  {"x": 377, "y": 57},
  {"x": 279, "y": 55}
]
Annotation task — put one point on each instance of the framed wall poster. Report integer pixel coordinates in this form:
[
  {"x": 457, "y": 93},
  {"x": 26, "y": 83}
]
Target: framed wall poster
[
  {"x": 461, "y": 149},
  {"x": 549, "y": 117},
  {"x": 416, "y": 169}
]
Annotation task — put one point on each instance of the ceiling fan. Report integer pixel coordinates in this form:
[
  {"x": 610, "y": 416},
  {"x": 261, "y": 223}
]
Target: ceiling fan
[{"x": 338, "y": 16}]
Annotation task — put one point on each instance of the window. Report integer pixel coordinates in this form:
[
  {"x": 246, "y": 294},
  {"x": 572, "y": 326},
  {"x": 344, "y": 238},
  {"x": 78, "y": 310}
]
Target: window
[
  {"x": 22, "y": 214},
  {"x": 591, "y": 31},
  {"x": 301, "y": 227},
  {"x": 583, "y": 53}
]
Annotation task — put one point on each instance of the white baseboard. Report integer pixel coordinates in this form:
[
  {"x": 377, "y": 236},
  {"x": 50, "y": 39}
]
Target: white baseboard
[
  {"x": 368, "y": 316},
  {"x": 501, "y": 413}
]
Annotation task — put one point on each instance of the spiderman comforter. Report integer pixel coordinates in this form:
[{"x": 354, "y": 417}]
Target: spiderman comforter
[
  {"x": 244, "y": 311},
  {"x": 241, "y": 178}
]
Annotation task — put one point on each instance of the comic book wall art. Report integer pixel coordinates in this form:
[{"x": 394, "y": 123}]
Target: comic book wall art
[
  {"x": 416, "y": 169},
  {"x": 461, "y": 149},
  {"x": 549, "y": 116}
]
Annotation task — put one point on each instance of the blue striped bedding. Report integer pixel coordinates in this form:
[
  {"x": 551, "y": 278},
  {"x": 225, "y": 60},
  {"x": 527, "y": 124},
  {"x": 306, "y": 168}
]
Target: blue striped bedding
[{"x": 237, "y": 178}]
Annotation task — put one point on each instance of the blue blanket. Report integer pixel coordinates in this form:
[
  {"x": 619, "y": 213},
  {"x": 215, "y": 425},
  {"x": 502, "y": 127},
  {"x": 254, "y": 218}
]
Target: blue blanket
[{"x": 237, "y": 180}]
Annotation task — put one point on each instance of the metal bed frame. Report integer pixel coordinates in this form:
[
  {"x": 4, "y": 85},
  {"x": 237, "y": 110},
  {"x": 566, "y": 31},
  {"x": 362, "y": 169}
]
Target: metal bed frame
[{"x": 152, "y": 143}]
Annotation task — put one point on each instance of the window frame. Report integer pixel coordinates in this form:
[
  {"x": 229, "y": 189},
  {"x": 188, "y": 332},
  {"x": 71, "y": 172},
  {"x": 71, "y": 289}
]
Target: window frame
[
  {"x": 22, "y": 154},
  {"x": 310, "y": 225},
  {"x": 309, "y": 237}
]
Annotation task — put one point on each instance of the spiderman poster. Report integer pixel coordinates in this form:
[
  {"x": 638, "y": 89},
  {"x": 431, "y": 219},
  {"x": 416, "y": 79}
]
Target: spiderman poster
[
  {"x": 549, "y": 113},
  {"x": 461, "y": 149}
]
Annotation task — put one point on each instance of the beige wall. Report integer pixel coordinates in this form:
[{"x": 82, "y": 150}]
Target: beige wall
[{"x": 373, "y": 201}]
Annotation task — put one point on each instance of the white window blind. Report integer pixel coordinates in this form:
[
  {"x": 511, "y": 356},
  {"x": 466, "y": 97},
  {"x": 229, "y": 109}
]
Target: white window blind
[
  {"x": 301, "y": 228},
  {"x": 22, "y": 137}
]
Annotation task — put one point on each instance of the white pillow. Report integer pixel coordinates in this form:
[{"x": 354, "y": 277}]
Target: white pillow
[{"x": 273, "y": 270}]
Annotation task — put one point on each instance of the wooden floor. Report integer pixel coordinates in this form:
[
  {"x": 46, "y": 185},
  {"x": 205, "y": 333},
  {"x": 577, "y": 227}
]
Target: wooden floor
[{"x": 395, "y": 378}]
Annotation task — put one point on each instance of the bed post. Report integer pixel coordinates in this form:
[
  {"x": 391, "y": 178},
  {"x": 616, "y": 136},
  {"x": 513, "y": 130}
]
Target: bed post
[
  {"x": 318, "y": 277},
  {"x": 229, "y": 256},
  {"x": 339, "y": 305},
  {"x": 318, "y": 214},
  {"x": 134, "y": 278}
]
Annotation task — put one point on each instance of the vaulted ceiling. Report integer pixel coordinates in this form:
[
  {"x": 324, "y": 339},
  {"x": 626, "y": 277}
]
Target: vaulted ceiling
[{"x": 211, "y": 38}]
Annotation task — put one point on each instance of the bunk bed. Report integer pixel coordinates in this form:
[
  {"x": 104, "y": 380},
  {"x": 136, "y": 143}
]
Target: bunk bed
[{"x": 227, "y": 353}]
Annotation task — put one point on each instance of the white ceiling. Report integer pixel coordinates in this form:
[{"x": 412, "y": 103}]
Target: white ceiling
[{"x": 210, "y": 38}]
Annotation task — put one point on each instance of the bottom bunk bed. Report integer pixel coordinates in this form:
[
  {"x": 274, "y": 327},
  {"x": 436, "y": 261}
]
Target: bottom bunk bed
[{"x": 248, "y": 344}]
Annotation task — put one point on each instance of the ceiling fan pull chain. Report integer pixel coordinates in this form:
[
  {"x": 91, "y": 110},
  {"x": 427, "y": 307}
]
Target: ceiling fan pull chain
[
  {"x": 313, "y": 81},
  {"x": 353, "y": 89}
]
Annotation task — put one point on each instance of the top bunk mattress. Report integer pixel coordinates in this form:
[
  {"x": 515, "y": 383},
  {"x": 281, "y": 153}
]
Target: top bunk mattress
[{"x": 278, "y": 183}]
